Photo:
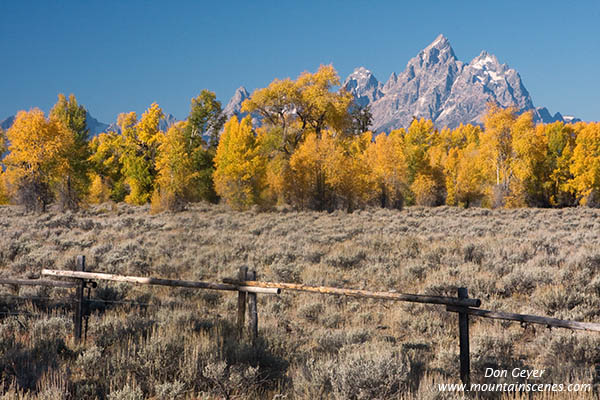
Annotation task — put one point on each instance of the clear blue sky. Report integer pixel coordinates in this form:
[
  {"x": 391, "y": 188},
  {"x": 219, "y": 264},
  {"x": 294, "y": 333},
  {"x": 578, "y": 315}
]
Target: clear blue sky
[{"x": 119, "y": 56}]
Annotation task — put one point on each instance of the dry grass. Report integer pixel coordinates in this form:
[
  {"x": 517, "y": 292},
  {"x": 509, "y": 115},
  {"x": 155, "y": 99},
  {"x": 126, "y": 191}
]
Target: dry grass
[{"x": 543, "y": 262}]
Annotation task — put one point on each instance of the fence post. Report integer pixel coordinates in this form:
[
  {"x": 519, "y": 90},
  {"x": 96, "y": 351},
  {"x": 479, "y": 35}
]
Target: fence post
[
  {"x": 241, "y": 311},
  {"x": 252, "y": 309},
  {"x": 463, "y": 332},
  {"x": 78, "y": 317}
]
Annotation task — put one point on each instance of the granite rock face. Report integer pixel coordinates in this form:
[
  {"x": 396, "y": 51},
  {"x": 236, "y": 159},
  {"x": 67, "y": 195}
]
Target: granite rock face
[
  {"x": 234, "y": 107},
  {"x": 437, "y": 86}
]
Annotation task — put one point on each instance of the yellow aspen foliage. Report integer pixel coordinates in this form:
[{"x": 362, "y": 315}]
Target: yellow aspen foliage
[
  {"x": 419, "y": 138},
  {"x": 273, "y": 104},
  {"x": 240, "y": 174},
  {"x": 464, "y": 176},
  {"x": 292, "y": 109},
  {"x": 100, "y": 191},
  {"x": 496, "y": 143},
  {"x": 346, "y": 169},
  {"x": 38, "y": 158},
  {"x": 3, "y": 191},
  {"x": 277, "y": 170},
  {"x": 447, "y": 156},
  {"x": 561, "y": 143},
  {"x": 175, "y": 183},
  {"x": 4, "y": 198},
  {"x": 140, "y": 147},
  {"x": 319, "y": 106},
  {"x": 306, "y": 186},
  {"x": 106, "y": 162},
  {"x": 497, "y": 152},
  {"x": 420, "y": 142},
  {"x": 329, "y": 172},
  {"x": 425, "y": 190},
  {"x": 585, "y": 165},
  {"x": 2, "y": 143},
  {"x": 529, "y": 163},
  {"x": 385, "y": 158}
]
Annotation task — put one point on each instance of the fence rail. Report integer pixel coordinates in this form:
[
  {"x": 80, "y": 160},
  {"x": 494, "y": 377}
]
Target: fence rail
[
  {"x": 413, "y": 298},
  {"x": 248, "y": 286},
  {"x": 525, "y": 318},
  {"x": 158, "y": 281},
  {"x": 37, "y": 282}
]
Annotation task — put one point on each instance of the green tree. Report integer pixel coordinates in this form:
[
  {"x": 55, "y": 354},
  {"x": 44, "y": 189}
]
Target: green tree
[
  {"x": 140, "y": 142},
  {"x": 74, "y": 185},
  {"x": 361, "y": 119},
  {"x": 206, "y": 119}
]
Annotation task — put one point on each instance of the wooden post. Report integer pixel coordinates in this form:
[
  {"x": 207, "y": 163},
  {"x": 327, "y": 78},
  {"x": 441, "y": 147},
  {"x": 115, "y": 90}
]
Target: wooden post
[
  {"x": 252, "y": 309},
  {"x": 241, "y": 312},
  {"x": 463, "y": 333},
  {"x": 78, "y": 318}
]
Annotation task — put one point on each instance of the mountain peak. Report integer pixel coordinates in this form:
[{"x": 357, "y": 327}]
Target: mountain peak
[
  {"x": 484, "y": 59},
  {"x": 437, "y": 51},
  {"x": 234, "y": 107},
  {"x": 363, "y": 85},
  {"x": 360, "y": 72},
  {"x": 440, "y": 42}
]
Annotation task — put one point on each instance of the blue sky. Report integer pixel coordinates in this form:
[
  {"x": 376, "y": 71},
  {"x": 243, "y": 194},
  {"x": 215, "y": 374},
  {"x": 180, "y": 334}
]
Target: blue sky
[{"x": 119, "y": 56}]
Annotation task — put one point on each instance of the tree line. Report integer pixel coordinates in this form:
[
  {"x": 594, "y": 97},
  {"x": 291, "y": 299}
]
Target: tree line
[{"x": 302, "y": 143}]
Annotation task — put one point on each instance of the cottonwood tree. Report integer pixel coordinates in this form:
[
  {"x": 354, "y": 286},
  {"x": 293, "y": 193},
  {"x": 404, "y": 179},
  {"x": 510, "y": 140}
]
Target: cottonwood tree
[
  {"x": 292, "y": 109},
  {"x": 106, "y": 174},
  {"x": 140, "y": 146},
  {"x": 387, "y": 164},
  {"x": 3, "y": 147},
  {"x": 240, "y": 174},
  {"x": 73, "y": 187},
  {"x": 177, "y": 172},
  {"x": 204, "y": 125},
  {"x": 38, "y": 158},
  {"x": 585, "y": 166},
  {"x": 560, "y": 139},
  {"x": 206, "y": 120}
]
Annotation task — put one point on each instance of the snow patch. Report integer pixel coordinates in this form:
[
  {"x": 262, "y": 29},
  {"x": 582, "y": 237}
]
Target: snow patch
[{"x": 483, "y": 62}]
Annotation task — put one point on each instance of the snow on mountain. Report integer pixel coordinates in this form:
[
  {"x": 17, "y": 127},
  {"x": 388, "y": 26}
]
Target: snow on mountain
[{"x": 364, "y": 86}]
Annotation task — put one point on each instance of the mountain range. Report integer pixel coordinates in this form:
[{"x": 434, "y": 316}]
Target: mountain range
[{"x": 435, "y": 85}]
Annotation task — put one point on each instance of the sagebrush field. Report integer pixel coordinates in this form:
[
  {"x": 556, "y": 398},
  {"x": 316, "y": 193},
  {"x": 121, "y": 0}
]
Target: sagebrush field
[{"x": 182, "y": 344}]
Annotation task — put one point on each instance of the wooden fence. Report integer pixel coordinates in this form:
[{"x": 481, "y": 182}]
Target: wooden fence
[{"x": 247, "y": 286}]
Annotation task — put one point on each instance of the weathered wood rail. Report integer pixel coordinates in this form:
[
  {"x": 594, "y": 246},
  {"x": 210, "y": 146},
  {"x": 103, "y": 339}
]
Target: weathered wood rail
[
  {"x": 37, "y": 282},
  {"x": 247, "y": 286},
  {"x": 158, "y": 281},
  {"x": 528, "y": 319},
  {"x": 413, "y": 298}
]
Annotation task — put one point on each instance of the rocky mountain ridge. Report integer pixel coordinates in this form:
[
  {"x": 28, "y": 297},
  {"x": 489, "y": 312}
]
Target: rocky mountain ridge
[{"x": 436, "y": 85}]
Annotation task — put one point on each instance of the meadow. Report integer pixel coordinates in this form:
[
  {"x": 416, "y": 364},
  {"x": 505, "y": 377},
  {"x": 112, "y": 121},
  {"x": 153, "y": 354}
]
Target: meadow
[{"x": 182, "y": 344}]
